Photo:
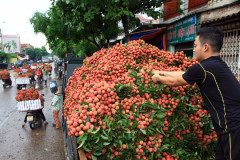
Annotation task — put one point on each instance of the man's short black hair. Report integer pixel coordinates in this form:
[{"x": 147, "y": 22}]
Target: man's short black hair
[{"x": 213, "y": 36}]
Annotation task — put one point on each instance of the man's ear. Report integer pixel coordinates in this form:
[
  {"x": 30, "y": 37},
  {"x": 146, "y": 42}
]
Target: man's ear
[{"x": 206, "y": 47}]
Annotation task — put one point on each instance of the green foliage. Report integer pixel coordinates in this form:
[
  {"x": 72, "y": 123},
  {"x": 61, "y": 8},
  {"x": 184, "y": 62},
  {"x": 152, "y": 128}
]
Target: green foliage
[
  {"x": 6, "y": 56},
  {"x": 36, "y": 52},
  {"x": 3, "y": 56},
  {"x": 68, "y": 24},
  {"x": 84, "y": 48}
]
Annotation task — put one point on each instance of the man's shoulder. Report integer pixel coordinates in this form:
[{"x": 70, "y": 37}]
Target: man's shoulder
[
  {"x": 196, "y": 66},
  {"x": 211, "y": 65}
]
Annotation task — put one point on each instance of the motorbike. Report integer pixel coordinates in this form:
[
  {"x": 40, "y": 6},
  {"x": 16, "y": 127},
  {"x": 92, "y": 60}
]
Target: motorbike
[
  {"x": 34, "y": 119},
  {"x": 6, "y": 83},
  {"x": 49, "y": 73},
  {"x": 32, "y": 79},
  {"x": 21, "y": 86}
]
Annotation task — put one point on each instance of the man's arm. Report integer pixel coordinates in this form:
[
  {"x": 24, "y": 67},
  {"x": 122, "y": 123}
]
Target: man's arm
[
  {"x": 169, "y": 81},
  {"x": 168, "y": 73}
]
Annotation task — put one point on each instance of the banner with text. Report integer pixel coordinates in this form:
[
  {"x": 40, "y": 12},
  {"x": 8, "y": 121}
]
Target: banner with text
[{"x": 182, "y": 31}]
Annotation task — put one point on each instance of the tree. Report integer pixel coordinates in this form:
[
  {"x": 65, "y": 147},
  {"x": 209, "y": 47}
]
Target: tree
[
  {"x": 3, "y": 56},
  {"x": 85, "y": 14},
  {"x": 36, "y": 53},
  {"x": 70, "y": 21},
  {"x": 57, "y": 27},
  {"x": 6, "y": 56},
  {"x": 82, "y": 49}
]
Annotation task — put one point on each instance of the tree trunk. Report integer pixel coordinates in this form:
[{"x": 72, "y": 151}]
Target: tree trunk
[
  {"x": 108, "y": 43},
  {"x": 125, "y": 26},
  {"x": 102, "y": 42},
  {"x": 94, "y": 42}
]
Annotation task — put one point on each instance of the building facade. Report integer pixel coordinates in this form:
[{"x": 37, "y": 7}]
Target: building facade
[
  {"x": 182, "y": 28},
  {"x": 11, "y": 44},
  {"x": 226, "y": 16}
]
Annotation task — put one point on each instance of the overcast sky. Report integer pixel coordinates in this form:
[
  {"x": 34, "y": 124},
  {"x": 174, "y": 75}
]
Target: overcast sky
[{"x": 14, "y": 19}]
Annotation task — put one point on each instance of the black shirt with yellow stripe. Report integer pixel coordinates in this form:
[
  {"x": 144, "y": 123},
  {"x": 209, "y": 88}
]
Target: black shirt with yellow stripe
[{"x": 220, "y": 90}]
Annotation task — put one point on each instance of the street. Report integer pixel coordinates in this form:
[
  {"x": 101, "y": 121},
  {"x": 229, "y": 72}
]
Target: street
[{"x": 44, "y": 143}]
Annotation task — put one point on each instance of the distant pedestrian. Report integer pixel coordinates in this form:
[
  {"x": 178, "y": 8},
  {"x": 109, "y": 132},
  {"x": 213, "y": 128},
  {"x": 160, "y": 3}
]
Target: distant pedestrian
[
  {"x": 39, "y": 75},
  {"x": 60, "y": 73},
  {"x": 56, "y": 104},
  {"x": 45, "y": 76}
]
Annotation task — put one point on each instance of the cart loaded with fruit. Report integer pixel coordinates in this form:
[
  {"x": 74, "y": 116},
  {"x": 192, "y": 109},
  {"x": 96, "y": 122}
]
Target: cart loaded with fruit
[
  {"x": 115, "y": 111},
  {"x": 5, "y": 77},
  {"x": 22, "y": 79},
  {"x": 29, "y": 100}
]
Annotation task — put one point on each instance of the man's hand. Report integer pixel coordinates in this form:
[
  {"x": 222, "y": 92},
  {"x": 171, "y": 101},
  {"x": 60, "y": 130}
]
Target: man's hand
[
  {"x": 155, "y": 78},
  {"x": 155, "y": 71},
  {"x": 158, "y": 72}
]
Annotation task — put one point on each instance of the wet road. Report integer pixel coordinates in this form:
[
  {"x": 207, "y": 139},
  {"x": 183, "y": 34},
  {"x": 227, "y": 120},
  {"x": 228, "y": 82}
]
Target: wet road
[{"x": 17, "y": 143}]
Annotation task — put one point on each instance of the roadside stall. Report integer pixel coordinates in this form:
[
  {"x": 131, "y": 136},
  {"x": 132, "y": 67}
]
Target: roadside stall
[
  {"x": 113, "y": 103},
  {"x": 71, "y": 63}
]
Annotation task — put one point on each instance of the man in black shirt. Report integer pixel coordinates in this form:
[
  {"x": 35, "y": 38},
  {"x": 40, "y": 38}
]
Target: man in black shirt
[{"x": 219, "y": 88}]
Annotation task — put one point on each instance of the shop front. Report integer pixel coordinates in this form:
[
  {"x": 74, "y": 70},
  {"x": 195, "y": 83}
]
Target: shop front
[
  {"x": 228, "y": 20},
  {"x": 181, "y": 35}
]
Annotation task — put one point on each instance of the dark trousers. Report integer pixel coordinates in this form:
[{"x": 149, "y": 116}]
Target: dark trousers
[{"x": 228, "y": 146}]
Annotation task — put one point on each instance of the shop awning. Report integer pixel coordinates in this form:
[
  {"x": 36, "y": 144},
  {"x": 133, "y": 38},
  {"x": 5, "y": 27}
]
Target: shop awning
[
  {"x": 21, "y": 58},
  {"x": 151, "y": 36},
  {"x": 146, "y": 36},
  {"x": 139, "y": 35}
]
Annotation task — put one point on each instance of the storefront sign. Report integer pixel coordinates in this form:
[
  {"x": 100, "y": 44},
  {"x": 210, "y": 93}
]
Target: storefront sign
[{"x": 182, "y": 31}]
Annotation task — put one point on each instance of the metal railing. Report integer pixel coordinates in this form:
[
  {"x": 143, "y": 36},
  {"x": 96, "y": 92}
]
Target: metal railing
[{"x": 231, "y": 50}]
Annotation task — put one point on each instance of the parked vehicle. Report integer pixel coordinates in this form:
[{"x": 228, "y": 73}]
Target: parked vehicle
[
  {"x": 6, "y": 83},
  {"x": 34, "y": 119},
  {"x": 32, "y": 79},
  {"x": 3, "y": 65},
  {"x": 11, "y": 66},
  {"x": 5, "y": 77},
  {"x": 59, "y": 63},
  {"x": 21, "y": 86}
]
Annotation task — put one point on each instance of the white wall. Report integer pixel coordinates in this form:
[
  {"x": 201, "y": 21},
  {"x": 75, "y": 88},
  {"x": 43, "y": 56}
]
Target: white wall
[
  {"x": 219, "y": 3},
  {"x": 10, "y": 38}
]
